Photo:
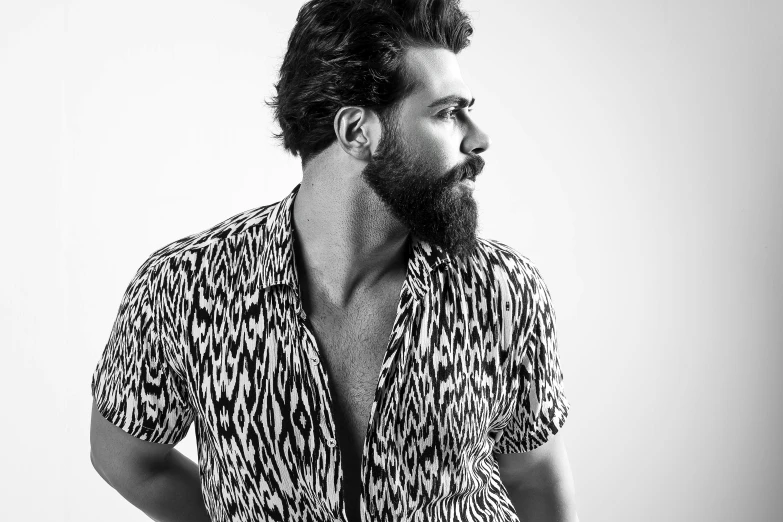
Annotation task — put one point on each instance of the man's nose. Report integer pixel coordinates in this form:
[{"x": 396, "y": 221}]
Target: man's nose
[{"x": 476, "y": 141}]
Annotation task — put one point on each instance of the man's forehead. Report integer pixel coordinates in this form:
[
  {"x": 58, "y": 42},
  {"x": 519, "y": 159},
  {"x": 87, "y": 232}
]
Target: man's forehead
[{"x": 436, "y": 73}]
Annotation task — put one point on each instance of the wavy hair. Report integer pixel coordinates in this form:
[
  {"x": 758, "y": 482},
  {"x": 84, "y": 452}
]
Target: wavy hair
[{"x": 350, "y": 53}]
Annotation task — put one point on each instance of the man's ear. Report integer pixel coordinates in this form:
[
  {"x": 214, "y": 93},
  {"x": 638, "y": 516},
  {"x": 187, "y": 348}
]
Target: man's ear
[{"x": 358, "y": 131}]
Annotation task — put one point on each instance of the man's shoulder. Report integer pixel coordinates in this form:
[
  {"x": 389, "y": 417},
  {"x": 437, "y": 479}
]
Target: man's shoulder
[
  {"x": 503, "y": 267},
  {"x": 225, "y": 233},
  {"x": 493, "y": 256}
]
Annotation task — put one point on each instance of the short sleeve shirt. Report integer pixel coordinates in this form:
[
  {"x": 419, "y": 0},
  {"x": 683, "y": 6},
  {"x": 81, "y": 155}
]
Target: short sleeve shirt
[{"x": 211, "y": 329}]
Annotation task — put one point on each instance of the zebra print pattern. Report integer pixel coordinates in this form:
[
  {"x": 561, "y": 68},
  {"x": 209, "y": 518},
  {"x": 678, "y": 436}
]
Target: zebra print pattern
[{"x": 210, "y": 329}]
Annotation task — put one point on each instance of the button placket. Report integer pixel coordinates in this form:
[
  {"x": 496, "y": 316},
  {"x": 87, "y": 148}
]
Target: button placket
[
  {"x": 311, "y": 351},
  {"x": 323, "y": 415},
  {"x": 400, "y": 342},
  {"x": 312, "y": 355}
]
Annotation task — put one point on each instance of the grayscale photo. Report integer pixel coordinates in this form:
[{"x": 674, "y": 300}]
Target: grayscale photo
[{"x": 392, "y": 261}]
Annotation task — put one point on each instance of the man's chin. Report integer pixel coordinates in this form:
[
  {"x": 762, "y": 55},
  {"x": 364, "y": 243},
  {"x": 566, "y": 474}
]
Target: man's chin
[
  {"x": 457, "y": 235},
  {"x": 460, "y": 243}
]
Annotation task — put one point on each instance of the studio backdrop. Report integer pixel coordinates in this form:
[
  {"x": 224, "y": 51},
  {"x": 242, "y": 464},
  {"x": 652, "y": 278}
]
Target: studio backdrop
[{"x": 636, "y": 161}]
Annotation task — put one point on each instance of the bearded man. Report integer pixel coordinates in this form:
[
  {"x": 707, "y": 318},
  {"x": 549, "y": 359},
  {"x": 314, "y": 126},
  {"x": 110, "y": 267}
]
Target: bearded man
[{"x": 353, "y": 352}]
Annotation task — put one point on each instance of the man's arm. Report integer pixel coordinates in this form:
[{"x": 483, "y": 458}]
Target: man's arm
[
  {"x": 156, "y": 478},
  {"x": 539, "y": 482}
]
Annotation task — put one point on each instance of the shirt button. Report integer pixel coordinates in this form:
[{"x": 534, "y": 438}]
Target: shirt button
[
  {"x": 314, "y": 359},
  {"x": 330, "y": 442}
]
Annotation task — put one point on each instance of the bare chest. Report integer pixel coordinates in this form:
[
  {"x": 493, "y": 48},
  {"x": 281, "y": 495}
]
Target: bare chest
[{"x": 352, "y": 351}]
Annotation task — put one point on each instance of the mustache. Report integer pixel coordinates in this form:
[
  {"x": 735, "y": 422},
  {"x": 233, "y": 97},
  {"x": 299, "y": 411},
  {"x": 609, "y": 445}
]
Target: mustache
[{"x": 471, "y": 168}]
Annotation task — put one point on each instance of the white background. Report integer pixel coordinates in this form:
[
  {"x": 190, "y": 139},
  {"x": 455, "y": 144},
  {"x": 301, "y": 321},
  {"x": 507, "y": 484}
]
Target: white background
[{"x": 636, "y": 160}]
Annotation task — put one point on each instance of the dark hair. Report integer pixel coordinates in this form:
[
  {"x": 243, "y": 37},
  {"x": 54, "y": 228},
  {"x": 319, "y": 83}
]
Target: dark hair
[{"x": 350, "y": 52}]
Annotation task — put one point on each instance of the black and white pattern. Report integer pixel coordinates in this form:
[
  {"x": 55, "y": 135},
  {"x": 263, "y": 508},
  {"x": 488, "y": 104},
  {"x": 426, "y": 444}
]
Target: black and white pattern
[{"x": 211, "y": 329}]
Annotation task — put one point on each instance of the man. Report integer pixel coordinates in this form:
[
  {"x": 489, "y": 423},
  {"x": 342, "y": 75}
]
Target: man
[{"x": 353, "y": 352}]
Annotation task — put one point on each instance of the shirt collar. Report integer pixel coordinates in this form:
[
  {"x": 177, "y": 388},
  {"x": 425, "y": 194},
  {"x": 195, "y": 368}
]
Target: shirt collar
[
  {"x": 423, "y": 258},
  {"x": 277, "y": 255}
]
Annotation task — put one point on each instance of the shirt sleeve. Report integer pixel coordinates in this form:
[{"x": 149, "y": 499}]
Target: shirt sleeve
[
  {"x": 133, "y": 385},
  {"x": 540, "y": 409}
]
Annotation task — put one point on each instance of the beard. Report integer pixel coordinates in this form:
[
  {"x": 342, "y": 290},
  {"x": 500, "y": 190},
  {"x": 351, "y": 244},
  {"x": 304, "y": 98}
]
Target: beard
[{"x": 427, "y": 200}]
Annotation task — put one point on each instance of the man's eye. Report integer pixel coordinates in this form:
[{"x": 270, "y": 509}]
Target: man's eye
[{"x": 449, "y": 114}]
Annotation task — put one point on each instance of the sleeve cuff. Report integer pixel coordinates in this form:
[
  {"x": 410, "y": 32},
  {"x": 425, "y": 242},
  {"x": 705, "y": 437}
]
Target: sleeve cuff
[{"x": 507, "y": 443}]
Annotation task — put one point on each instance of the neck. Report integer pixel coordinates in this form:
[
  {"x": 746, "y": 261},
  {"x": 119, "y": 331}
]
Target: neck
[{"x": 346, "y": 242}]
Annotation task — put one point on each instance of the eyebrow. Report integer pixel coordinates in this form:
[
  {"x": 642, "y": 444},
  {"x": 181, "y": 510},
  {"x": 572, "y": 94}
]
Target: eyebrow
[{"x": 453, "y": 99}]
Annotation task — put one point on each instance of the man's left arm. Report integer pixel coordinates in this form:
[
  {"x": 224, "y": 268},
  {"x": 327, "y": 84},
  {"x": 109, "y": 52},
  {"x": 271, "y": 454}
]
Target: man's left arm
[
  {"x": 539, "y": 482},
  {"x": 531, "y": 455}
]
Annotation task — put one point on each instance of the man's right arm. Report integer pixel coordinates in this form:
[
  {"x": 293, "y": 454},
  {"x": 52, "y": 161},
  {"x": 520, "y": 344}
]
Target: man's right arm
[{"x": 156, "y": 478}]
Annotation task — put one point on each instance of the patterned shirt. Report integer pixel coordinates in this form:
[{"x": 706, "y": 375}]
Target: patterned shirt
[{"x": 211, "y": 329}]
